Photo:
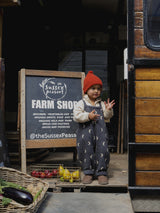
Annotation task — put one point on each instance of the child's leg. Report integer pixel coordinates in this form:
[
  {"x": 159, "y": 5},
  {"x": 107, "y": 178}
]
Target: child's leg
[
  {"x": 102, "y": 156},
  {"x": 85, "y": 149}
]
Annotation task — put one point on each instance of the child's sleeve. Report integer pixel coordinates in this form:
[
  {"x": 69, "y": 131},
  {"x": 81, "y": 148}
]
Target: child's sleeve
[
  {"x": 108, "y": 114},
  {"x": 79, "y": 115}
]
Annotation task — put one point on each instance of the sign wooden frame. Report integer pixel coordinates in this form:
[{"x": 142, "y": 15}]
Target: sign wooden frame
[{"x": 30, "y": 144}]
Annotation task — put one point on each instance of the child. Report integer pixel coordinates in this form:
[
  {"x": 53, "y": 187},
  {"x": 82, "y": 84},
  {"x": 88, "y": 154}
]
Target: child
[{"x": 92, "y": 136}]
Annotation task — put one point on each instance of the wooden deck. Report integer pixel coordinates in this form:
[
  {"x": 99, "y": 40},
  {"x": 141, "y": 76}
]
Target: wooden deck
[{"x": 118, "y": 172}]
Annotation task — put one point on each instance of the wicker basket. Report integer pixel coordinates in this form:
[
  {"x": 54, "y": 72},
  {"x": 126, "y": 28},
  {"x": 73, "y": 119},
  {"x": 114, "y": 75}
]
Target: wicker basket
[{"x": 20, "y": 178}]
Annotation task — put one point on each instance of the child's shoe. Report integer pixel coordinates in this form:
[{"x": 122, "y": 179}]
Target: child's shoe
[
  {"x": 87, "y": 179},
  {"x": 102, "y": 180}
]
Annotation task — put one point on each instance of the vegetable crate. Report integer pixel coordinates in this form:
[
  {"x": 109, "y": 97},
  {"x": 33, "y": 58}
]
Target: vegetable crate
[
  {"x": 22, "y": 179},
  {"x": 69, "y": 174},
  {"x": 44, "y": 170}
]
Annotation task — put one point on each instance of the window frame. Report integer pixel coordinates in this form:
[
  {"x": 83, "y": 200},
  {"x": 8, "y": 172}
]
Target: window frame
[{"x": 145, "y": 28}]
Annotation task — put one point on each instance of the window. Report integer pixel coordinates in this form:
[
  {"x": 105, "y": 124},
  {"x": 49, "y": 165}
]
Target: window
[{"x": 152, "y": 24}]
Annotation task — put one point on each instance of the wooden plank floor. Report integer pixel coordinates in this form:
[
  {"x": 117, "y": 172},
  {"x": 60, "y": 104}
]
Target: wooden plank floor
[{"x": 118, "y": 171}]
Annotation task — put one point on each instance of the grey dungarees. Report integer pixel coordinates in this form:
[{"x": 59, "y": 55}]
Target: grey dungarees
[{"x": 92, "y": 144}]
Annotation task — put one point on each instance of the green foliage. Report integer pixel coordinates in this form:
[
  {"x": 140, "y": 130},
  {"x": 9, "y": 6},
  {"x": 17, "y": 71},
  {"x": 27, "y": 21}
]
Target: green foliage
[
  {"x": 4, "y": 183},
  {"x": 37, "y": 194},
  {"x": 6, "y": 201}
]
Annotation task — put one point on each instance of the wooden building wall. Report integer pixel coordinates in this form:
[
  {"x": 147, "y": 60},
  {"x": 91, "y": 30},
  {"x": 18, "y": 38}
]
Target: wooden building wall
[
  {"x": 146, "y": 113},
  {"x": 147, "y": 124},
  {"x": 140, "y": 49}
]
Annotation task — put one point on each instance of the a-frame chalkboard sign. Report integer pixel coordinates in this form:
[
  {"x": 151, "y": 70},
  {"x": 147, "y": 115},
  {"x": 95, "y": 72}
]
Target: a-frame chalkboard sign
[{"x": 46, "y": 104}]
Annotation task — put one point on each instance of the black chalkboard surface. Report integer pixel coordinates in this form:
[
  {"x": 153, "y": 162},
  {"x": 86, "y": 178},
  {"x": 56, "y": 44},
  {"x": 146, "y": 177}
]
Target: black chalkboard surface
[
  {"x": 49, "y": 106},
  {"x": 47, "y": 99}
]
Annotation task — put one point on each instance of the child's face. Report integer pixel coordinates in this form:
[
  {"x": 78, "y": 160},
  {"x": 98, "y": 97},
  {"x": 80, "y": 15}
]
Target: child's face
[{"x": 94, "y": 91}]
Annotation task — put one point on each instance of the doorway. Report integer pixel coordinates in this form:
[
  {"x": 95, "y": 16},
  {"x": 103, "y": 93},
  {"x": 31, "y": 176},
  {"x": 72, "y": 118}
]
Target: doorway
[{"x": 70, "y": 36}]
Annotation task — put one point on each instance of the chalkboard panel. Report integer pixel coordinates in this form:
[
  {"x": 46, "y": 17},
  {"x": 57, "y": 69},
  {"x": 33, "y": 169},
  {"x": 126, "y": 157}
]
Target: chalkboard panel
[
  {"x": 49, "y": 107},
  {"x": 46, "y": 105}
]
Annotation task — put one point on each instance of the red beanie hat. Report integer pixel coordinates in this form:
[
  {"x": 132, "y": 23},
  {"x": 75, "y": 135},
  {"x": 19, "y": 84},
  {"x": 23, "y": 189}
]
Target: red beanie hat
[{"x": 90, "y": 80}]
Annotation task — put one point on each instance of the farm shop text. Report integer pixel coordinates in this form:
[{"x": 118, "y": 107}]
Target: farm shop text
[{"x": 50, "y": 104}]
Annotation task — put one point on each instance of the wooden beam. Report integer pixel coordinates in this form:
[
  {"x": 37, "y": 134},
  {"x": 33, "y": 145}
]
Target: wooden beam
[
  {"x": 147, "y": 89},
  {"x": 147, "y": 107},
  {"x": 138, "y": 37},
  {"x": 147, "y": 74},
  {"x": 30, "y": 144},
  {"x": 146, "y": 138},
  {"x": 138, "y": 5},
  {"x": 145, "y": 53},
  {"x": 22, "y": 123},
  {"x": 138, "y": 20},
  {"x": 8, "y": 3},
  {"x": 147, "y": 125},
  {"x": 147, "y": 161},
  {"x": 150, "y": 178}
]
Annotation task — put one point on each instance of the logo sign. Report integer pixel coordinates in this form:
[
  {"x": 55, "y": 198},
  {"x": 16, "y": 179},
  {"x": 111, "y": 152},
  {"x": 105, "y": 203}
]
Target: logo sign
[{"x": 53, "y": 88}]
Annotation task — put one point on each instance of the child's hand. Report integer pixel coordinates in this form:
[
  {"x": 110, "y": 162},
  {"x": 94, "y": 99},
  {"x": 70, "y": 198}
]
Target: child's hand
[
  {"x": 109, "y": 105},
  {"x": 93, "y": 116}
]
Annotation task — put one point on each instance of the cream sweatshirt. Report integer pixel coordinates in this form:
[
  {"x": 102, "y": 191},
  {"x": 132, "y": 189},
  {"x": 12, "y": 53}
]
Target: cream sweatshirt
[{"x": 81, "y": 116}]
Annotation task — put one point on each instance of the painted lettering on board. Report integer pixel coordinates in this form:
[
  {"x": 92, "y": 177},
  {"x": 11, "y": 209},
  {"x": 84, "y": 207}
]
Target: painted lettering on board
[
  {"x": 50, "y": 103},
  {"x": 53, "y": 88}
]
